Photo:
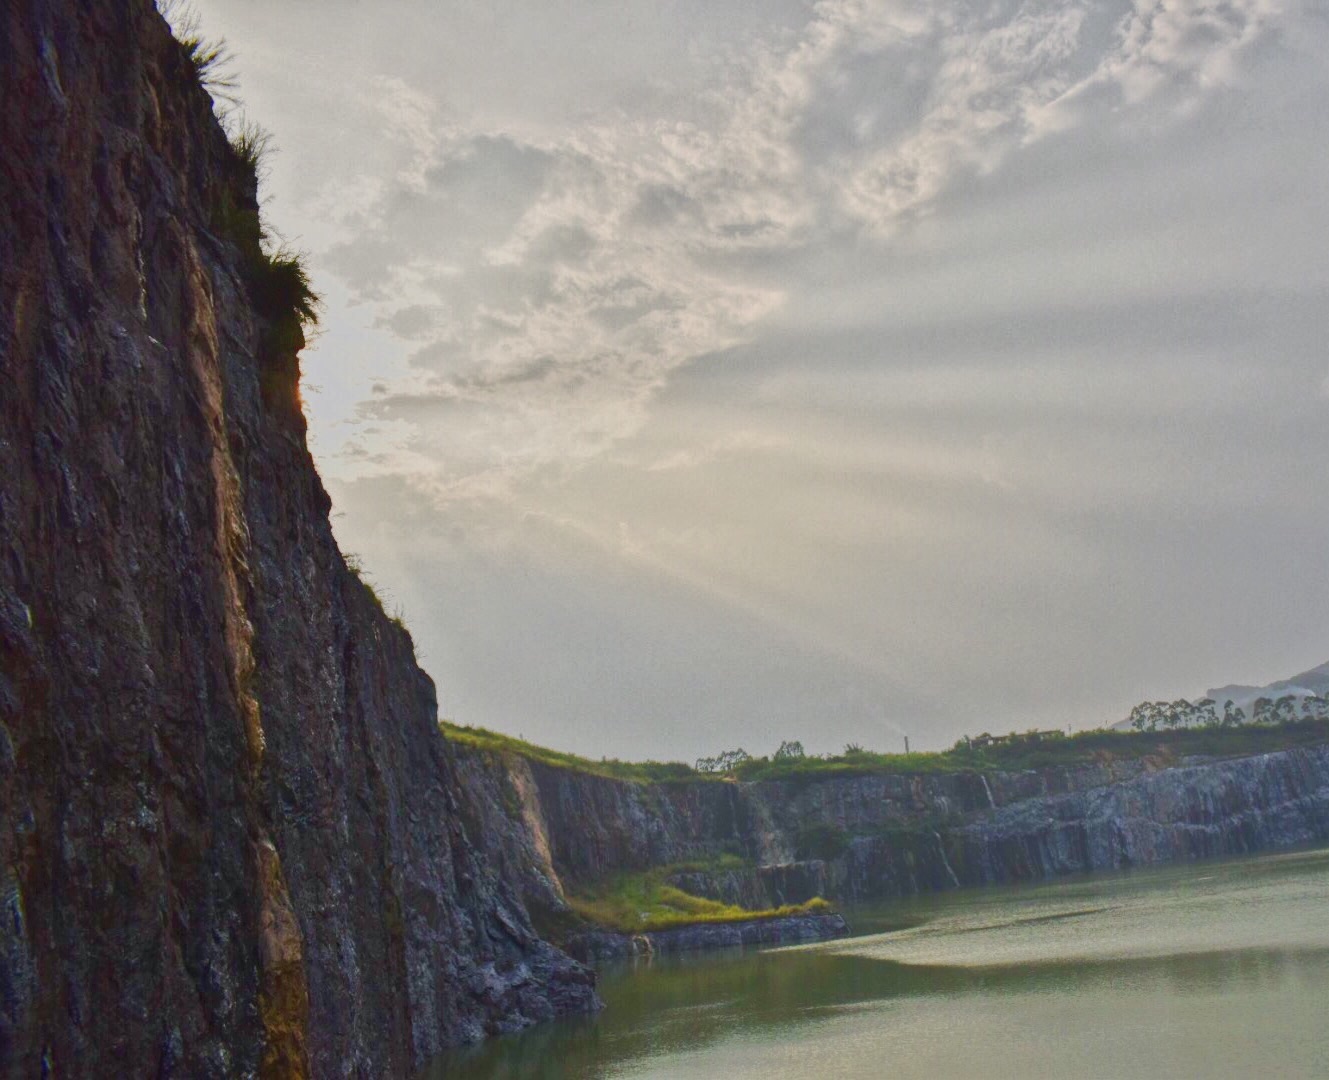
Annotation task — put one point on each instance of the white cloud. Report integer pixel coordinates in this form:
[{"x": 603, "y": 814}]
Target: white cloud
[
  {"x": 1010, "y": 318},
  {"x": 550, "y": 283}
]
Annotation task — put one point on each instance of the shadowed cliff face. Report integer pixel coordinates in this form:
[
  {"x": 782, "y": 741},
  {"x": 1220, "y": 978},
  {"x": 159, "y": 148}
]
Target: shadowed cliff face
[
  {"x": 877, "y": 836},
  {"x": 231, "y": 838}
]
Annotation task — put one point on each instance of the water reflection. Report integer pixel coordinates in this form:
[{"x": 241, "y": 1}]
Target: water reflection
[{"x": 1185, "y": 961}]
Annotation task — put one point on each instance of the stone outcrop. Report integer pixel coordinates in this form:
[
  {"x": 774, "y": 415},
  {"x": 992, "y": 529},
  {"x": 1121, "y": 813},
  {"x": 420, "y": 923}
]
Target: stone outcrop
[
  {"x": 232, "y": 841},
  {"x": 1192, "y": 811},
  {"x": 610, "y": 826},
  {"x": 599, "y": 945}
]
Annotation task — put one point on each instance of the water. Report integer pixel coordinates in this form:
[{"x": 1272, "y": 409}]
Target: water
[{"x": 1208, "y": 970}]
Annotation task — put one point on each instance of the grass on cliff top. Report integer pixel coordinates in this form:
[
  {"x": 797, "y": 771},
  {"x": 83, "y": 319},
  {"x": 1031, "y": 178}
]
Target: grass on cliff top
[
  {"x": 639, "y": 903},
  {"x": 1085, "y": 747},
  {"x": 646, "y": 772}
]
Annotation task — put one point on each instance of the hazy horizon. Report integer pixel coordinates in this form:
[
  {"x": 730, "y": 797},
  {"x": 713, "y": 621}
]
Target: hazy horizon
[{"x": 703, "y": 375}]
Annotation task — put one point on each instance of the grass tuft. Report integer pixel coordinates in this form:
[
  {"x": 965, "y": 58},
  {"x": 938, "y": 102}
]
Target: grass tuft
[
  {"x": 277, "y": 276},
  {"x": 279, "y": 282},
  {"x": 251, "y": 143},
  {"x": 212, "y": 59}
]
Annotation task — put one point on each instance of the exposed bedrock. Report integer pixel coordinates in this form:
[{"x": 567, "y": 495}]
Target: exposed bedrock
[{"x": 860, "y": 838}]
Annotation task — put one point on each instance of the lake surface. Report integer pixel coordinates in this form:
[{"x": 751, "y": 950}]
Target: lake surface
[{"x": 1206, "y": 970}]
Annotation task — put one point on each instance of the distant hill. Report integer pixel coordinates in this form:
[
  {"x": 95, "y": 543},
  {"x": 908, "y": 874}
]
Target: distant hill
[{"x": 1309, "y": 684}]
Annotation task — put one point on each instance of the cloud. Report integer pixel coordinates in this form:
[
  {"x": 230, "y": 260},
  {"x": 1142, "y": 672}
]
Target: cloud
[
  {"x": 552, "y": 282},
  {"x": 1178, "y": 50},
  {"x": 715, "y": 370}
]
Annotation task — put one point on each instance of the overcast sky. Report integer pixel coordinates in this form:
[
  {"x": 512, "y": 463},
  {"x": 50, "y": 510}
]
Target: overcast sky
[{"x": 700, "y": 374}]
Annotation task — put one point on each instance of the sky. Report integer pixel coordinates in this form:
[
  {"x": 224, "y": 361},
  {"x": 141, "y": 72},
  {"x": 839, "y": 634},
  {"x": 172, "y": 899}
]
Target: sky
[{"x": 698, "y": 374}]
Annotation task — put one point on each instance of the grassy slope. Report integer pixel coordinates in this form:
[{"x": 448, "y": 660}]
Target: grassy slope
[
  {"x": 1088, "y": 746},
  {"x": 646, "y": 772},
  {"x": 637, "y": 903}
]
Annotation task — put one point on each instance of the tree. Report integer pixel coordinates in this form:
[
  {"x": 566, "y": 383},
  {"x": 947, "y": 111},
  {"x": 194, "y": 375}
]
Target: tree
[
  {"x": 789, "y": 750},
  {"x": 1142, "y": 716},
  {"x": 723, "y": 762}
]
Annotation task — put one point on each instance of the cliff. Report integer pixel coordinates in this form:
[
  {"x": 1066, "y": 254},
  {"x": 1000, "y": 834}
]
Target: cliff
[
  {"x": 873, "y": 836},
  {"x": 232, "y": 841}
]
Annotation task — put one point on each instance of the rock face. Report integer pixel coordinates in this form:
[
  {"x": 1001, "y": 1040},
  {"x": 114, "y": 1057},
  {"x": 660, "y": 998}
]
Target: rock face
[
  {"x": 1192, "y": 811},
  {"x": 878, "y": 836},
  {"x": 232, "y": 840},
  {"x": 609, "y": 826}
]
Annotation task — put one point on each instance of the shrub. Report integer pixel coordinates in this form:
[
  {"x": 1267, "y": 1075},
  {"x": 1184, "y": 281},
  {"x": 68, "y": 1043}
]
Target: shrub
[{"x": 279, "y": 282}]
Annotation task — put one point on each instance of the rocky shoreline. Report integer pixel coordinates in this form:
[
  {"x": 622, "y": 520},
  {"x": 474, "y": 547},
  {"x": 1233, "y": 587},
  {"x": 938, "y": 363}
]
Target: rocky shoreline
[{"x": 601, "y": 945}]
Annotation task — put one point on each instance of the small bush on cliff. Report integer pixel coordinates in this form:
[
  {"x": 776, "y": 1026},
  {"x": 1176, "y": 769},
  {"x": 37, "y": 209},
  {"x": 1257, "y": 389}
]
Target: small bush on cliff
[{"x": 279, "y": 281}]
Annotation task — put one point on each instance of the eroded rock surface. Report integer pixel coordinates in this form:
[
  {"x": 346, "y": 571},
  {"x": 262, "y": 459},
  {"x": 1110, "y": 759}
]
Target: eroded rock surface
[
  {"x": 232, "y": 840},
  {"x": 897, "y": 835}
]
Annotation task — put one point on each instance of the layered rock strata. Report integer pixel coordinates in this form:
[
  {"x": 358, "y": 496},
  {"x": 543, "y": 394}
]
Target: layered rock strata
[{"x": 888, "y": 835}]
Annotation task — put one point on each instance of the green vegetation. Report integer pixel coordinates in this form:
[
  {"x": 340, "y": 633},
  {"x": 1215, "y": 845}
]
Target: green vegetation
[
  {"x": 1109, "y": 745},
  {"x": 821, "y": 842},
  {"x": 645, "y": 772},
  {"x": 276, "y": 276},
  {"x": 1086, "y": 747},
  {"x": 279, "y": 285},
  {"x": 1153, "y": 715},
  {"x": 251, "y": 143},
  {"x": 637, "y": 903},
  {"x": 212, "y": 60}
]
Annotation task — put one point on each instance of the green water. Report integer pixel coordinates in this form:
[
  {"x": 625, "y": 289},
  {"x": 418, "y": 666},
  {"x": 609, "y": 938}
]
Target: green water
[{"x": 1208, "y": 970}]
